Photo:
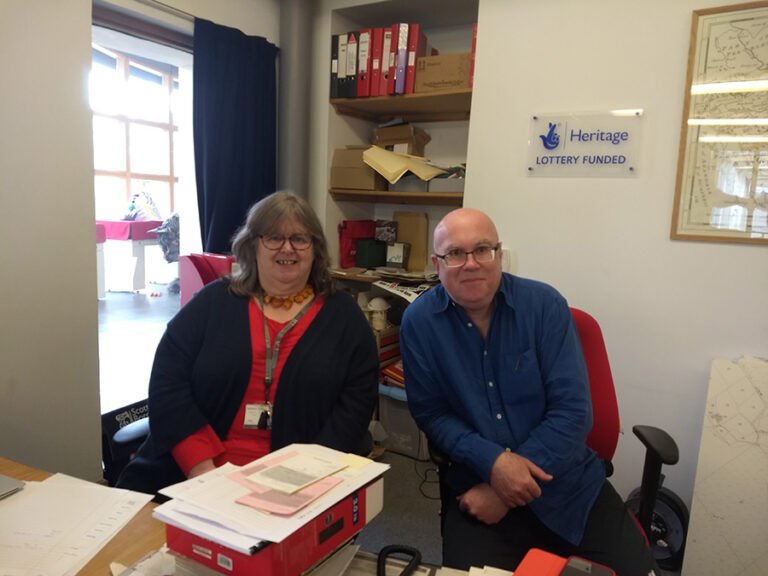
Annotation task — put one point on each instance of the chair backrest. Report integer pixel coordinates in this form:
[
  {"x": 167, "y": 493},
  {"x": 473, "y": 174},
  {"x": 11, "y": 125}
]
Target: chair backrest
[
  {"x": 604, "y": 435},
  {"x": 197, "y": 270},
  {"x": 221, "y": 264},
  {"x": 116, "y": 455}
]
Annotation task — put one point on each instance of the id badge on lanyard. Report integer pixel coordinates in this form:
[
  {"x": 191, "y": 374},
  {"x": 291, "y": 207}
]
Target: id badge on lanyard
[{"x": 259, "y": 416}]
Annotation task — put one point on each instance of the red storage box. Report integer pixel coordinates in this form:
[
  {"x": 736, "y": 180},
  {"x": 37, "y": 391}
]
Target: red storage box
[{"x": 350, "y": 231}]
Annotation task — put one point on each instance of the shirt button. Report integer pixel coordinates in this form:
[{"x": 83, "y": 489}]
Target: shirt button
[
  {"x": 469, "y": 324},
  {"x": 490, "y": 384},
  {"x": 498, "y": 416},
  {"x": 508, "y": 449},
  {"x": 485, "y": 352}
]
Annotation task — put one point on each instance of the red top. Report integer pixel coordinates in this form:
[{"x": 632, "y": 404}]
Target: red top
[{"x": 243, "y": 445}]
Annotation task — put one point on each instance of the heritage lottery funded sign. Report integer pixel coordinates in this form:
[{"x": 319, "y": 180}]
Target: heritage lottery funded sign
[{"x": 597, "y": 145}]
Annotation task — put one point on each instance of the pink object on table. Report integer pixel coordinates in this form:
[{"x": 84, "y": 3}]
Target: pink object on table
[
  {"x": 101, "y": 233},
  {"x": 141, "y": 230},
  {"x": 129, "y": 229}
]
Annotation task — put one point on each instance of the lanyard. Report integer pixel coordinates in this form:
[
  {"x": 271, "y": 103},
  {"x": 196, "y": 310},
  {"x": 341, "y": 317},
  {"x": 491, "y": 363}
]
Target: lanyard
[{"x": 273, "y": 353}]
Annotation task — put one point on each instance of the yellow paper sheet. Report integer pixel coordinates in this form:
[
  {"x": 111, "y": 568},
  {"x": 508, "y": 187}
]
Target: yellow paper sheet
[{"x": 393, "y": 165}]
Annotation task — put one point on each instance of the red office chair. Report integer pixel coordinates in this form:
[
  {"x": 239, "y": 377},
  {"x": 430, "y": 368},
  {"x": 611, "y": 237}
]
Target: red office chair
[
  {"x": 660, "y": 513},
  {"x": 197, "y": 270}
]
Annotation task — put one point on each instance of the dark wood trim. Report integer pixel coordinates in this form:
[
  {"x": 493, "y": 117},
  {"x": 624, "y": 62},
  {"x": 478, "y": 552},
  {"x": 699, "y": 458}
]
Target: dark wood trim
[{"x": 119, "y": 21}]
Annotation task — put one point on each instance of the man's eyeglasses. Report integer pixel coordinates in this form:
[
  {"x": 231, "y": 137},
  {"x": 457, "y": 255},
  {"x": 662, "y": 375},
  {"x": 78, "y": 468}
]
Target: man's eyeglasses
[
  {"x": 276, "y": 241},
  {"x": 457, "y": 257}
]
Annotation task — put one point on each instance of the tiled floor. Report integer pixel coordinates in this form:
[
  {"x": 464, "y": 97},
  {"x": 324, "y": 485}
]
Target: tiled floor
[{"x": 130, "y": 326}]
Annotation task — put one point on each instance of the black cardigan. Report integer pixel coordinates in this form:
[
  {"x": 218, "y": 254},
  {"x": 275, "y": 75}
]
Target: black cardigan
[{"x": 326, "y": 393}]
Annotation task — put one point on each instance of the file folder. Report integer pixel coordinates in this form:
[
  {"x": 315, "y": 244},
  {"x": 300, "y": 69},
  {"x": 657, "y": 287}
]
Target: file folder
[
  {"x": 417, "y": 48},
  {"x": 341, "y": 75},
  {"x": 393, "y": 58},
  {"x": 364, "y": 63},
  {"x": 351, "y": 73},
  {"x": 401, "y": 58},
  {"x": 376, "y": 60},
  {"x": 386, "y": 61},
  {"x": 393, "y": 166},
  {"x": 335, "y": 66}
]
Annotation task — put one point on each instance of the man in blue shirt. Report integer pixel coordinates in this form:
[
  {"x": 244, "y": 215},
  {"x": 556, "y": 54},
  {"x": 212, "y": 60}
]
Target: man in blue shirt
[{"x": 496, "y": 379}]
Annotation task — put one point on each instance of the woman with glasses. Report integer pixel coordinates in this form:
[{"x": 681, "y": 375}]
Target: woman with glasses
[{"x": 268, "y": 356}]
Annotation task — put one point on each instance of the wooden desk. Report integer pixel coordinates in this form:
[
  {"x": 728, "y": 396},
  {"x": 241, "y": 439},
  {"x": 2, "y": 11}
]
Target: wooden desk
[{"x": 139, "y": 537}]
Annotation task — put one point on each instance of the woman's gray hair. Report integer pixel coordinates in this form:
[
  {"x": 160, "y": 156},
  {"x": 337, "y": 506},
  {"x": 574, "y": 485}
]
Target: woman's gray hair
[{"x": 265, "y": 217}]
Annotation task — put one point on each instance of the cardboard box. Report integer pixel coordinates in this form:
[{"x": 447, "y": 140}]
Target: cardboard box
[
  {"x": 403, "y": 436},
  {"x": 349, "y": 171},
  {"x": 412, "y": 228},
  {"x": 403, "y": 138},
  {"x": 443, "y": 72}
]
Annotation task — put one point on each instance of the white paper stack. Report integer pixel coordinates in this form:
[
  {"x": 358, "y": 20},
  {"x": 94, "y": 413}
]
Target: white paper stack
[{"x": 207, "y": 505}]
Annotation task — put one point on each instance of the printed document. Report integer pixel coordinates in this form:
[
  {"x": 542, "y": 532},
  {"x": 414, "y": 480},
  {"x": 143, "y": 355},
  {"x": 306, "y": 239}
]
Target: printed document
[{"x": 56, "y": 526}]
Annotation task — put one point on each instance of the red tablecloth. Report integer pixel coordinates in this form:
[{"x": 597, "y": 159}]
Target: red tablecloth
[{"x": 129, "y": 229}]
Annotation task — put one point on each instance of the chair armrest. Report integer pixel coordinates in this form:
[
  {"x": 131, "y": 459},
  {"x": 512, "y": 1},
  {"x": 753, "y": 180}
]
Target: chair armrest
[
  {"x": 137, "y": 430},
  {"x": 660, "y": 449},
  {"x": 659, "y": 442}
]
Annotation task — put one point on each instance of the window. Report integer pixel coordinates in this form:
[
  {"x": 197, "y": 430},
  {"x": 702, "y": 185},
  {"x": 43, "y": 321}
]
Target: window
[{"x": 134, "y": 133}]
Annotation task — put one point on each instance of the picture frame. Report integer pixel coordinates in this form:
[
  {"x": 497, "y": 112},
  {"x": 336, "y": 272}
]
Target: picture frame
[{"x": 721, "y": 192}]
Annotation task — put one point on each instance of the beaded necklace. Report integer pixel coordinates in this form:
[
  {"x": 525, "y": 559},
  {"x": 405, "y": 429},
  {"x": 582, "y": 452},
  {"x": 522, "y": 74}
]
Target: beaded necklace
[{"x": 287, "y": 302}]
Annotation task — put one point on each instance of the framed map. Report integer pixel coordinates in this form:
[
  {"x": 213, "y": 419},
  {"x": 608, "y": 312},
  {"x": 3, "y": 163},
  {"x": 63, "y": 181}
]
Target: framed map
[{"x": 721, "y": 193}]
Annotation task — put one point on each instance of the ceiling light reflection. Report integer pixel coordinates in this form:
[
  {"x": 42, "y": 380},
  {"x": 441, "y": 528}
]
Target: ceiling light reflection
[
  {"x": 720, "y": 87},
  {"x": 749, "y": 139},
  {"x": 728, "y": 121}
]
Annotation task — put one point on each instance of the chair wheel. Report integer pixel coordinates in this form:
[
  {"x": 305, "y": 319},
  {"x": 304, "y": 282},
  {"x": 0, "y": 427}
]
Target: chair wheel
[{"x": 669, "y": 527}]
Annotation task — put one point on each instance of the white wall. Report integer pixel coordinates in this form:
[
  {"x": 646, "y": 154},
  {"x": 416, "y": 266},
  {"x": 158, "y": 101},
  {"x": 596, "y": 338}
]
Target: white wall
[
  {"x": 49, "y": 389},
  {"x": 667, "y": 308},
  {"x": 49, "y": 404}
]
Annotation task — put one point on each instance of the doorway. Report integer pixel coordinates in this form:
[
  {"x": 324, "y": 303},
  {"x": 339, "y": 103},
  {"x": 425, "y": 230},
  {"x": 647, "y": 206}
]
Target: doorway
[{"x": 141, "y": 101}]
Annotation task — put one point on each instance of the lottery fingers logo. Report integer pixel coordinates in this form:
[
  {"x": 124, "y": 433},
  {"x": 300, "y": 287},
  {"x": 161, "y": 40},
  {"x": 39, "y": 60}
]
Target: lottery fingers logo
[{"x": 551, "y": 139}]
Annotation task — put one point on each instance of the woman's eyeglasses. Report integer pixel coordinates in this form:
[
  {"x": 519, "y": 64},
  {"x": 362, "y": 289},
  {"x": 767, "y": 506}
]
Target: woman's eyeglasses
[
  {"x": 457, "y": 257},
  {"x": 276, "y": 241}
]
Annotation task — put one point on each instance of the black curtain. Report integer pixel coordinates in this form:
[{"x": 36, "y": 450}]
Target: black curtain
[{"x": 234, "y": 121}]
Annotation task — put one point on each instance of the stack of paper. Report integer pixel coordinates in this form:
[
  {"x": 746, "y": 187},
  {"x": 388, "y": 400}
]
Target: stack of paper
[
  {"x": 211, "y": 506},
  {"x": 56, "y": 526},
  {"x": 393, "y": 165},
  {"x": 285, "y": 483}
]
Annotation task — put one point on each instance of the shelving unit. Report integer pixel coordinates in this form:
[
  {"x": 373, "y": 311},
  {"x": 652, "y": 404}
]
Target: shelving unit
[
  {"x": 444, "y": 106},
  {"x": 448, "y": 25},
  {"x": 386, "y": 197},
  {"x": 429, "y": 107}
]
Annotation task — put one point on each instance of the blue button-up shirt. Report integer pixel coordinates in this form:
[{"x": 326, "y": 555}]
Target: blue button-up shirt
[{"x": 524, "y": 388}]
